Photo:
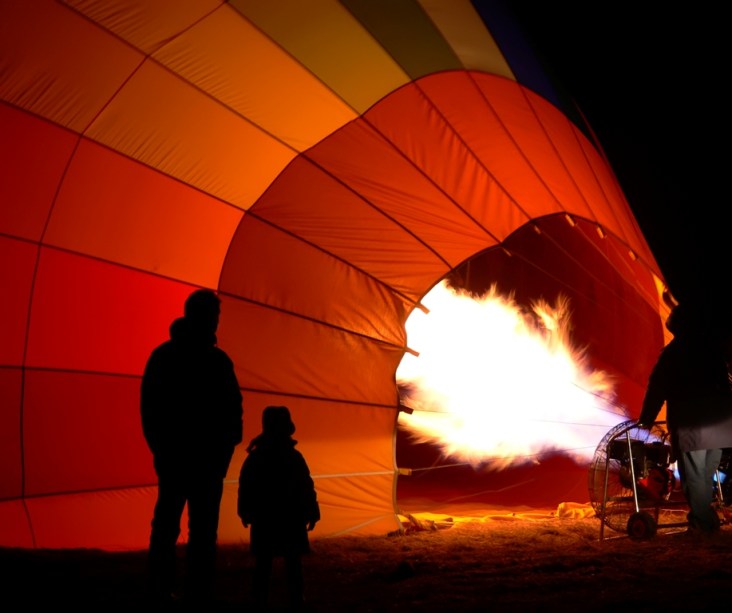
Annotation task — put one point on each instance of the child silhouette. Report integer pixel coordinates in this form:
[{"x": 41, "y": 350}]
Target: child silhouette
[{"x": 278, "y": 501}]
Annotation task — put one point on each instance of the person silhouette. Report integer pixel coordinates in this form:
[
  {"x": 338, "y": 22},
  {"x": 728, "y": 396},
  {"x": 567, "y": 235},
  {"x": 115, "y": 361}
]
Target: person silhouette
[
  {"x": 692, "y": 377},
  {"x": 277, "y": 498},
  {"x": 191, "y": 409}
]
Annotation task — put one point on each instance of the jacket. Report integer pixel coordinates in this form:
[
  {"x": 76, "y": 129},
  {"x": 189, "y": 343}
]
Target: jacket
[
  {"x": 190, "y": 400},
  {"x": 691, "y": 376},
  {"x": 277, "y": 497}
]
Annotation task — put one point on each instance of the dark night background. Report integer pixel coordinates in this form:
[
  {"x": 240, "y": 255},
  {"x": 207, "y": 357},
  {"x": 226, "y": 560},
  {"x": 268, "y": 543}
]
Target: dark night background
[{"x": 649, "y": 78}]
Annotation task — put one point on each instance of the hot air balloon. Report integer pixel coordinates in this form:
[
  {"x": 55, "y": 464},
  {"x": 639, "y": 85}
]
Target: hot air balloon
[{"x": 322, "y": 165}]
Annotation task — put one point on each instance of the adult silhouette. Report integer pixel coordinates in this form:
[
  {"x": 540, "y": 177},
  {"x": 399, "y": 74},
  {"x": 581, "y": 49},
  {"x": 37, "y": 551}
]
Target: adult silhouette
[
  {"x": 692, "y": 377},
  {"x": 191, "y": 409}
]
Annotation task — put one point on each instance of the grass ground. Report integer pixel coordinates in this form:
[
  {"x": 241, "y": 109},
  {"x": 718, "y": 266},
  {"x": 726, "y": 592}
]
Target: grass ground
[{"x": 492, "y": 563}]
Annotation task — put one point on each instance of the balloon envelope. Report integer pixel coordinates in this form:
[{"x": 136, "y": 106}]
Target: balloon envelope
[{"x": 321, "y": 165}]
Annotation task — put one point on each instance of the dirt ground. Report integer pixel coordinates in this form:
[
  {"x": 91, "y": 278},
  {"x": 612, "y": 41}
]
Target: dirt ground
[{"x": 532, "y": 560}]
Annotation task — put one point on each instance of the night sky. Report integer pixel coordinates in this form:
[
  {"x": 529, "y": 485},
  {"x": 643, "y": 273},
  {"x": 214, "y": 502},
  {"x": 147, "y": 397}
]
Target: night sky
[{"x": 651, "y": 84}]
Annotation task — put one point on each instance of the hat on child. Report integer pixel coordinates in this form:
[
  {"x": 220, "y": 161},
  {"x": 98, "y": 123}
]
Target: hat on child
[{"x": 276, "y": 421}]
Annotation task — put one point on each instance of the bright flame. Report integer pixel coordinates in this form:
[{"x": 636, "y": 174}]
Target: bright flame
[{"x": 496, "y": 386}]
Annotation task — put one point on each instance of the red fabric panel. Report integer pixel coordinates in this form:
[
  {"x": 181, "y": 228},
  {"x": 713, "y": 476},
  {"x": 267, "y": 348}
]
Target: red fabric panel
[
  {"x": 109, "y": 520},
  {"x": 11, "y": 475},
  {"x": 119, "y": 210},
  {"x": 486, "y": 122},
  {"x": 441, "y": 153},
  {"x": 16, "y": 279},
  {"x": 15, "y": 528},
  {"x": 33, "y": 156},
  {"x": 91, "y": 315},
  {"x": 82, "y": 432}
]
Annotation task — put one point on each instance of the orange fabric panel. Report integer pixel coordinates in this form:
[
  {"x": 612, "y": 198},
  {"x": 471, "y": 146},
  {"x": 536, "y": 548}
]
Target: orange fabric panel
[
  {"x": 276, "y": 352},
  {"x": 274, "y": 268},
  {"x": 345, "y": 508},
  {"x": 156, "y": 119},
  {"x": 347, "y": 59},
  {"x": 116, "y": 209},
  {"x": 326, "y": 435},
  {"x": 92, "y": 316},
  {"x": 369, "y": 165},
  {"x": 339, "y": 222},
  {"x": 112, "y": 520},
  {"x": 33, "y": 156},
  {"x": 11, "y": 475},
  {"x": 68, "y": 87},
  {"x": 350, "y": 464},
  {"x": 368, "y": 508},
  {"x": 15, "y": 529},
  {"x": 145, "y": 25},
  {"x": 85, "y": 426},
  {"x": 278, "y": 94},
  {"x": 16, "y": 280}
]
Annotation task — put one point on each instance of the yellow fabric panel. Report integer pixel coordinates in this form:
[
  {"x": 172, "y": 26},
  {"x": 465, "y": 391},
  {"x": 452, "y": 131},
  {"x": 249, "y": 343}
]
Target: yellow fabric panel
[
  {"x": 68, "y": 88},
  {"x": 163, "y": 122},
  {"x": 230, "y": 59},
  {"x": 347, "y": 58},
  {"x": 407, "y": 34},
  {"x": 116, "y": 209},
  {"x": 144, "y": 24},
  {"x": 467, "y": 35}
]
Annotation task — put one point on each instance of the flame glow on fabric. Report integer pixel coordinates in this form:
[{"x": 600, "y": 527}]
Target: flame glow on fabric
[{"x": 497, "y": 386}]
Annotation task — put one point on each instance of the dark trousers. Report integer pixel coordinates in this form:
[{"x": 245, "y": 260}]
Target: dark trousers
[
  {"x": 697, "y": 469},
  {"x": 203, "y": 494},
  {"x": 262, "y": 577}
]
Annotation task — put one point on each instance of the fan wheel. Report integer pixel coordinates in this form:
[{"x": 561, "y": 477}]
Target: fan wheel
[{"x": 641, "y": 526}]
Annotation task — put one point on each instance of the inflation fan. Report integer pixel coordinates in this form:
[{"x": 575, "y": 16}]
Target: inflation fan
[{"x": 633, "y": 486}]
